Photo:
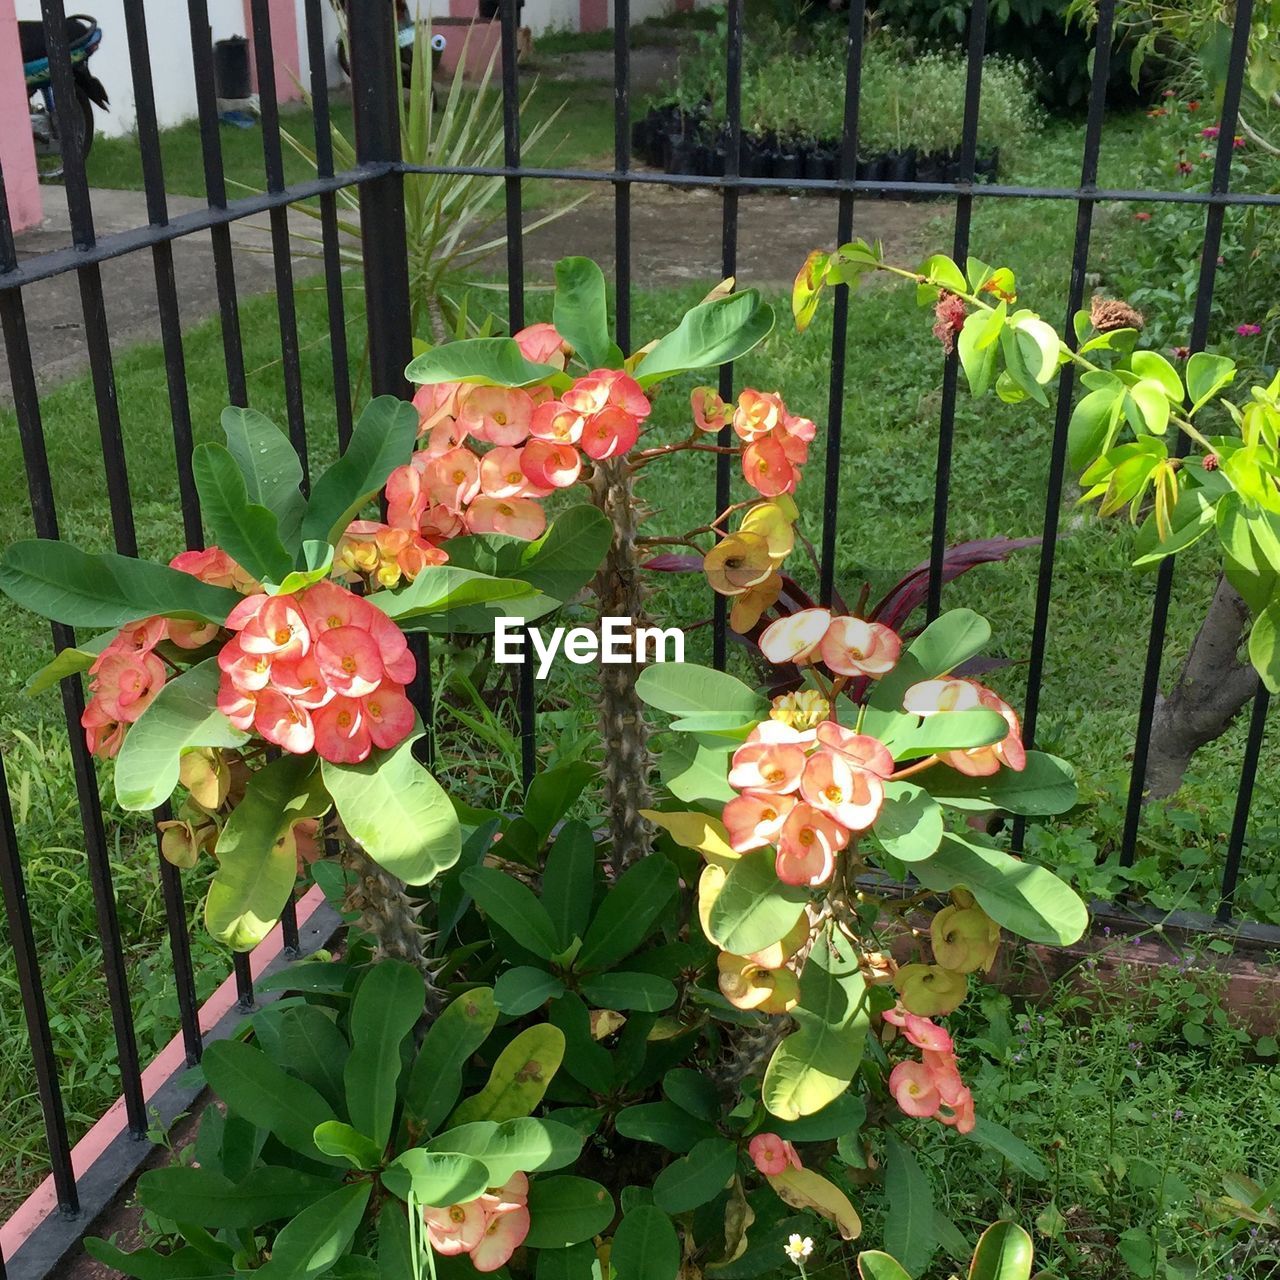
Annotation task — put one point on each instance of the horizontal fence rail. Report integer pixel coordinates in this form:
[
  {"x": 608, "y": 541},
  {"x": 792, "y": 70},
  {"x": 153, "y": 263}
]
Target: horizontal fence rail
[{"x": 78, "y": 1194}]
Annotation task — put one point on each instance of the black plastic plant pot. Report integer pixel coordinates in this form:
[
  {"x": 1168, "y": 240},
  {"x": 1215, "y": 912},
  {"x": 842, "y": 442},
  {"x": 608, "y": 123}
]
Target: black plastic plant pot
[
  {"x": 753, "y": 163},
  {"x": 642, "y": 140},
  {"x": 931, "y": 167},
  {"x": 702, "y": 159},
  {"x": 900, "y": 166},
  {"x": 787, "y": 164},
  {"x": 680, "y": 157},
  {"x": 986, "y": 167},
  {"x": 819, "y": 166}
]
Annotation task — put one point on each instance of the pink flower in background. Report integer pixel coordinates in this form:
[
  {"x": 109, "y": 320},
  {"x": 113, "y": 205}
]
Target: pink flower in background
[
  {"x": 1211, "y": 132},
  {"x": 517, "y": 517},
  {"x": 772, "y": 1154},
  {"x": 754, "y": 819},
  {"x": 1248, "y": 330},
  {"x": 500, "y": 415},
  {"x": 1142, "y": 217},
  {"x": 853, "y": 647},
  {"x": 710, "y": 413},
  {"x": 542, "y": 344}
]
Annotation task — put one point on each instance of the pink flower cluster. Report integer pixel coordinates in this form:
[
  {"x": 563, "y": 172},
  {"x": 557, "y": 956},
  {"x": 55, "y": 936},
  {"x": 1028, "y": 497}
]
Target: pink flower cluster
[
  {"x": 776, "y": 441},
  {"x": 805, "y": 792},
  {"x": 322, "y": 670},
  {"x": 534, "y": 442},
  {"x": 489, "y": 1229},
  {"x": 128, "y": 673},
  {"x": 953, "y": 694},
  {"x": 931, "y": 1087},
  {"x": 772, "y": 1154}
]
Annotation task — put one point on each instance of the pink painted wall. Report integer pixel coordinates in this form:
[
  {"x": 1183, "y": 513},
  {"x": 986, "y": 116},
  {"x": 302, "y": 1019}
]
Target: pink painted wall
[
  {"x": 479, "y": 41},
  {"x": 17, "y": 155},
  {"x": 595, "y": 15},
  {"x": 284, "y": 44}
]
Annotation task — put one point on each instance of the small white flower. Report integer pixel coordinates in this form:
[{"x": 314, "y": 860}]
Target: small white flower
[{"x": 798, "y": 1248}]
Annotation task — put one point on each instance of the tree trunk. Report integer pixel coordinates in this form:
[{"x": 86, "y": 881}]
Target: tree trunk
[
  {"x": 624, "y": 731},
  {"x": 1211, "y": 688}
]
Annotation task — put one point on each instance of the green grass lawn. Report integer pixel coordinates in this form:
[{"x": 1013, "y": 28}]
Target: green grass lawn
[{"x": 1098, "y": 626}]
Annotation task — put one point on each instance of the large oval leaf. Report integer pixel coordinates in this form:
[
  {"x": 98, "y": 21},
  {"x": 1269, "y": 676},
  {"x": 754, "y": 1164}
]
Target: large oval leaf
[
  {"x": 754, "y": 909},
  {"x": 398, "y": 812},
  {"x": 247, "y": 531},
  {"x": 580, "y": 310},
  {"x": 1021, "y": 896},
  {"x": 387, "y": 1005},
  {"x": 1046, "y": 786},
  {"x": 206, "y": 1198},
  {"x": 628, "y": 912},
  {"x": 711, "y": 333},
  {"x": 686, "y": 689},
  {"x": 436, "y": 1078},
  {"x": 270, "y": 467},
  {"x": 310, "y": 1244},
  {"x": 909, "y": 825},
  {"x": 908, "y": 1225},
  {"x": 566, "y": 1210},
  {"x": 808, "y": 1189},
  {"x": 519, "y": 1078},
  {"x": 645, "y": 1246},
  {"x": 66, "y": 584},
  {"x": 436, "y": 1177},
  {"x": 514, "y": 908},
  {"x": 1004, "y": 1252},
  {"x": 697, "y": 1178},
  {"x": 495, "y": 362},
  {"x": 526, "y": 1144},
  {"x": 183, "y": 715}
]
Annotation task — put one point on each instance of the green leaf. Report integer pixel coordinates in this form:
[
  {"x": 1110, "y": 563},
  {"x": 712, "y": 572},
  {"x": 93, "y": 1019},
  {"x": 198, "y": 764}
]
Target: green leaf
[
  {"x": 257, "y": 865},
  {"x": 253, "y": 1086},
  {"x": 1147, "y": 408},
  {"x": 383, "y": 440},
  {"x": 1093, "y": 423},
  {"x": 514, "y": 908},
  {"x": 1192, "y": 517},
  {"x": 645, "y": 1246},
  {"x": 321, "y": 553},
  {"x": 664, "y": 1124},
  {"x": 686, "y": 689},
  {"x": 395, "y": 1249},
  {"x": 908, "y": 1224},
  {"x": 397, "y": 812},
  {"x": 565, "y": 1211},
  {"x": 66, "y": 584},
  {"x": 1206, "y": 376},
  {"x": 586, "y": 1060},
  {"x": 312, "y": 1048},
  {"x": 693, "y": 771},
  {"x": 987, "y": 1133},
  {"x": 551, "y": 795},
  {"x": 580, "y": 312},
  {"x": 693, "y": 1092},
  {"x": 876, "y": 1265},
  {"x": 206, "y": 1198},
  {"x": 754, "y": 908},
  {"x": 442, "y": 592},
  {"x": 943, "y": 271},
  {"x": 337, "y": 1139},
  {"x": 522, "y": 1145},
  {"x": 568, "y": 881},
  {"x": 490, "y": 362},
  {"x": 644, "y": 992},
  {"x": 436, "y": 1177},
  {"x": 68, "y": 662},
  {"x": 247, "y": 532},
  {"x": 1023, "y": 364},
  {"x": 815, "y": 1063},
  {"x": 1046, "y": 785},
  {"x": 909, "y": 825},
  {"x": 436, "y": 1078},
  {"x": 1004, "y": 1252},
  {"x": 270, "y": 467},
  {"x": 523, "y": 989},
  {"x": 628, "y": 912},
  {"x": 711, "y": 333},
  {"x": 319, "y": 1235},
  {"x": 697, "y": 1178},
  {"x": 387, "y": 1006},
  {"x": 1264, "y": 646},
  {"x": 1152, "y": 366},
  {"x": 1023, "y": 897},
  {"x": 573, "y": 1263},
  {"x": 519, "y": 1078},
  {"x": 148, "y": 1264},
  {"x": 977, "y": 346},
  {"x": 843, "y": 1116},
  {"x": 945, "y": 731},
  {"x": 183, "y": 715}
]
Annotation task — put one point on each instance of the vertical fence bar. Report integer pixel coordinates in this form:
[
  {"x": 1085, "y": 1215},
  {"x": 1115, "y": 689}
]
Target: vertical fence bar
[
  {"x": 1066, "y": 382},
  {"x": 224, "y": 268},
  {"x": 1244, "y": 802},
  {"x": 44, "y": 1062},
  {"x": 1199, "y": 336},
  {"x": 281, "y": 248},
  {"x": 622, "y": 163},
  {"x": 317, "y": 55},
  {"x": 180, "y": 409},
  {"x": 840, "y": 307},
  {"x": 959, "y": 251},
  {"x": 728, "y": 267}
]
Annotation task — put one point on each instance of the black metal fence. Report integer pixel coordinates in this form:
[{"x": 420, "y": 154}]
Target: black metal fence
[{"x": 78, "y": 1195}]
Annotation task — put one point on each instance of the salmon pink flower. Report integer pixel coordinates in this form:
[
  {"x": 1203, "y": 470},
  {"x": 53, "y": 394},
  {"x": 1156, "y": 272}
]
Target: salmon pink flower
[
  {"x": 754, "y": 819},
  {"x": 772, "y": 1154},
  {"x": 504, "y": 1233},
  {"x": 124, "y": 682},
  {"x": 103, "y": 735},
  {"x": 341, "y": 732},
  {"x": 214, "y": 566},
  {"x": 501, "y": 475},
  {"x": 860, "y": 748},
  {"x": 553, "y": 420},
  {"x": 914, "y": 1090},
  {"x": 519, "y": 517},
  {"x": 499, "y": 415},
  {"x": 808, "y": 846},
  {"x": 281, "y": 720},
  {"x": 982, "y": 762},
  {"x": 795, "y": 638},
  {"x": 767, "y": 468},
  {"x": 834, "y": 786},
  {"x": 758, "y": 414},
  {"x": 277, "y": 629},
  {"x": 388, "y": 715},
  {"x": 921, "y": 1032},
  {"x": 542, "y": 344},
  {"x": 444, "y": 436},
  {"x": 771, "y": 759},
  {"x": 609, "y": 433},
  {"x": 513, "y": 1194},
  {"x": 608, "y": 388},
  {"x": 349, "y": 660},
  {"x": 453, "y": 479},
  {"x": 301, "y": 680},
  {"x": 710, "y": 413},
  {"x": 548, "y": 465},
  {"x": 929, "y": 697},
  {"x": 458, "y": 1228},
  {"x": 853, "y": 647},
  {"x": 437, "y": 403}
]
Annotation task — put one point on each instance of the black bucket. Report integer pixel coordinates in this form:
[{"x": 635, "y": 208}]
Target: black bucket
[{"x": 231, "y": 68}]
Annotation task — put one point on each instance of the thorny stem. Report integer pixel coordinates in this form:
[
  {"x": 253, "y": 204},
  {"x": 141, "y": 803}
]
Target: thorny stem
[{"x": 1183, "y": 424}]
